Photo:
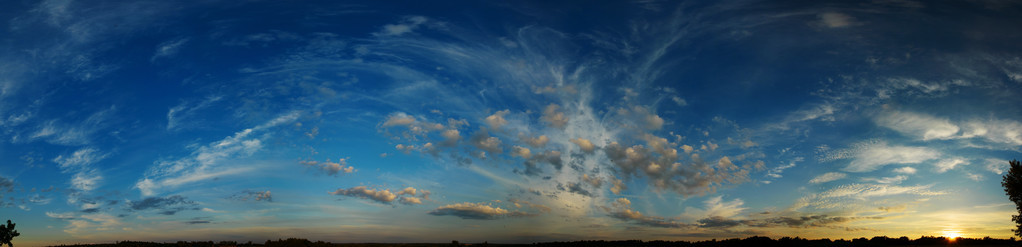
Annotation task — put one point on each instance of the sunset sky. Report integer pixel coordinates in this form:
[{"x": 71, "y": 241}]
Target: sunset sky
[{"x": 506, "y": 121}]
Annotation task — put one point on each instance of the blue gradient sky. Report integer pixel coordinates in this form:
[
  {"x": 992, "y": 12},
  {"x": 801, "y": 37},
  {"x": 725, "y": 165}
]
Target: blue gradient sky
[{"x": 524, "y": 121}]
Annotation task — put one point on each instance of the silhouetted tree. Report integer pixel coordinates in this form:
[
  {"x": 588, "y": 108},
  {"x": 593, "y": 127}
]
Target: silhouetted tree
[
  {"x": 1012, "y": 184},
  {"x": 7, "y": 233}
]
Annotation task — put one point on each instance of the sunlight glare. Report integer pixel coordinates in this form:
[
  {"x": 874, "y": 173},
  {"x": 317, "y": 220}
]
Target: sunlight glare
[{"x": 952, "y": 234}]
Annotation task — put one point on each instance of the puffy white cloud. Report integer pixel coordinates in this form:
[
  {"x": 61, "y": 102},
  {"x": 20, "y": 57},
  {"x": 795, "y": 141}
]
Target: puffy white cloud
[
  {"x": 405, "y": 196},
  {"x": 254, "y": 195},
  {"x": 584, "y": 145},
  {"x": 553, "y": 116},
  {"x": 407, "y": 191},
  {"x": 518, "y": 151},
  {"x": 536, "y": 142},
  {"x": 618, "y": 187},
  {"x": 918, "y": 125},
  {"x": 410, "y": 200},
  {"x": 399, "y": 119},
  {"x": 331, "y": 168},
  {"x": 483, "y": 141},
  {"x": 827, "y": 177},
  {"x": 451, "y": 137},
  {"x": 381, "y": 196},
  {"x": 497, "y": 120},
  {"x": 596, "y": 182},
  {"x": 665, "y": 172}
]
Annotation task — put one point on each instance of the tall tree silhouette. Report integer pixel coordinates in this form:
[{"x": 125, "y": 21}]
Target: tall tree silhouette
[
  {"x": 1012, "y": 184},
  {"x": 7, "y": 233}
]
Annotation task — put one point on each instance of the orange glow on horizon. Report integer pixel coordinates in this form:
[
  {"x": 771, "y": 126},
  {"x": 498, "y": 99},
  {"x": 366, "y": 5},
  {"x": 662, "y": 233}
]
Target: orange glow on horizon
[{"x": 952, "y": 235}]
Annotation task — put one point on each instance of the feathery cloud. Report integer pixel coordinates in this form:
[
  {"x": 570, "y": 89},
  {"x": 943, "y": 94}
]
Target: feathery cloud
[{"x": 827, "y": 177}]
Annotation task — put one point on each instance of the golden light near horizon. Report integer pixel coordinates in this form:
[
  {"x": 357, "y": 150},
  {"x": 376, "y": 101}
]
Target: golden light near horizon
[{"x": 952, "y": 234}]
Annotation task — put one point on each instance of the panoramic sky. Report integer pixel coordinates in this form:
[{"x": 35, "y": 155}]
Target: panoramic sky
[{"x": 506, "y": 121}]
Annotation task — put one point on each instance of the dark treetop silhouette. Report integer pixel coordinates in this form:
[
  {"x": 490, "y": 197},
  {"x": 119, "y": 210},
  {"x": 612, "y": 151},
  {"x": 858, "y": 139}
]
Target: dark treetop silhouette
[
  {"x": 1013, "y": 188},
  {"x": 7, "y": 233}
]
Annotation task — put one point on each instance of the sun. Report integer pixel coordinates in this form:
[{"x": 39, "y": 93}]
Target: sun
[{"x": 952, "y": 234}]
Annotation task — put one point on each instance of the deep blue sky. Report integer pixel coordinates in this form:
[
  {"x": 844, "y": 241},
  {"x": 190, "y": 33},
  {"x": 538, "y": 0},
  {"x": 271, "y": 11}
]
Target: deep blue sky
[{"x": 506, "y": 121}]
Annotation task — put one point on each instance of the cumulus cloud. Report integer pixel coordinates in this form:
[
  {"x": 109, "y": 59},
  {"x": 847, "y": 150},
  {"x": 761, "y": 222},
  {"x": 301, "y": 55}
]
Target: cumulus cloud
[
  {"x": 594, "y": 181},
  {"x": 483, "y": 141},
  {"x": 475, "y": 211},
  {"x": 618, "y": 187},
  {"x": 523, "y": 152},
  {"x": 536, "y": 142},
  {"x": 451, "y": 137},
  {"x": 399, "y": 119},
  {"x": 827, "y": 177},
  {"x": 661, "y": 166},
  {"x": 331, "y": 168},
  {"x": 246, "y": 195},
  {"x": 382, "y": 196},
  {"x": 410, "y": 200},
  {"x": 405, "y": 196},
  {"x": 497, "y": 120},
  {"x": 554, "y": 117},
  {"x": 584, "y": 145}
]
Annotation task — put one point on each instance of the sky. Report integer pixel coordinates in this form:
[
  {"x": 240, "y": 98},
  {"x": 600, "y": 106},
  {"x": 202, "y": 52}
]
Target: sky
[{"x": 506, "y": 121}]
